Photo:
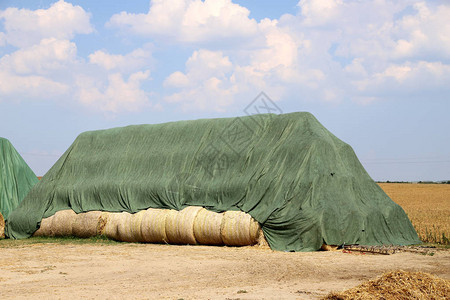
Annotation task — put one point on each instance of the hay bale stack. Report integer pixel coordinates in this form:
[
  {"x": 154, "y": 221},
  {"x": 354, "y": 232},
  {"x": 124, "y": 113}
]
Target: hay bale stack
[
  {"x": 2, "y": 226},
  {"x": 207, "y": 227},
  {"x": 239, "y": 229},
  {"x": 180, "y": 225},
  {"x": 63, "y": 222},
  {"x": 46, "y": 227},
  {"x": 153, "y": 225},
  {"x": 85, "y": 224}
]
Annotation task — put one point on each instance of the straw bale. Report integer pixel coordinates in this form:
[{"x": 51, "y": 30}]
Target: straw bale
[
  {"x": 124, "y": 224},
  {"x": 262, "y": 242},
  {"x": 180, "y": 226},
  {"x": 135, "y": 226},
  {"x": 86, "y": 224},
  {"x": 153, "y": 225},
  {"x": 63, "y": 222},
  {"x": 239, "y": 229},
  {"x": 326, "y": 247},
  {"x": 2, "y": 226},
  {"x": 398, "y": 285},
  {"x": 207, "y": 227},
  {"x": 102, "y": 220},
  {"x": 110, "y": 230},
  {"x": 46, "y": 228}
]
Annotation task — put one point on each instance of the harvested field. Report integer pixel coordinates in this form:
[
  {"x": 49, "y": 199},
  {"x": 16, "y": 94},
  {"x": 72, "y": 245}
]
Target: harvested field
[
  {"x": 110, "y": 270},
  {"x": 427, "y": 206}
]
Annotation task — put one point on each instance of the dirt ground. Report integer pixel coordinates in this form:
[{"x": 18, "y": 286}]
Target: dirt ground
[{"x": 148, "y": 271}]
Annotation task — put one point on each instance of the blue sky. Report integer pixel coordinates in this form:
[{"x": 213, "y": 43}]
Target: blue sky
[{"x": 375, "y": 73}]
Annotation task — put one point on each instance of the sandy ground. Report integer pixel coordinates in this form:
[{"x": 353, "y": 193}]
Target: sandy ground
[{"x": 146, "y": 271}]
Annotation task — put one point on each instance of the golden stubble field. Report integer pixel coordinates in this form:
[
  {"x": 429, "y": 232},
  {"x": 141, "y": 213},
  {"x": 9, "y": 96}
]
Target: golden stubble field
[{"x": 427, "y": 206}]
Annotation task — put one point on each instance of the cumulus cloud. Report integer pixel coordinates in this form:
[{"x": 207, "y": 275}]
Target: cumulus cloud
[
  {"x": 331, "y": 50},
  {"x": 207, "y": 83},
  {"x": 46, "y": 64},
  {"x": 117, "y": 96},
  {"x": 32, "y": 86},
  {"x": 49, "y": 54},
  {"x": 137, "y": 59},
  {"x": 61, "y": 20},
  {"x": 189, "y": 21}
]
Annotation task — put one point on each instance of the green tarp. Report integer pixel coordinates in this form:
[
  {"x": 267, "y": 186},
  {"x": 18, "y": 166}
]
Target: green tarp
[
  {"x": 301, "y": 183},
  {"x": 16, "y": 178}
]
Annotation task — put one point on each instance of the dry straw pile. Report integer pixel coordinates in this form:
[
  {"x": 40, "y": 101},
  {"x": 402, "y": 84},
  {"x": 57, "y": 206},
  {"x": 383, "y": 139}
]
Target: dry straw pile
[
  {"x": 397, "y": 285},
  {"x": 2, "y": 226},
  {"x": 192, "y": 225}
]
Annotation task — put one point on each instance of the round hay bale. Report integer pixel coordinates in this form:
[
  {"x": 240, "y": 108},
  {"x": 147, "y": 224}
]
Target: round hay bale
[
  {"x": 180, "y": 225},
  {"x": 2, "y": 226},
  {"x": 85, "y": 224},
  {"x": 207, "y": 227},
  {"x": 102, "y": 220},
  {"x": 239, "y": 229},
  {"x": 153, "y": 225},
  {"x": 262, "y": 242},
  {"x": 110, "y": 230},
  {"x": 63, "y": 222},
  {"x": 46, "y": 228},
  {"x": 135, "y": 226},
  {"x": 124, "y": 224}
]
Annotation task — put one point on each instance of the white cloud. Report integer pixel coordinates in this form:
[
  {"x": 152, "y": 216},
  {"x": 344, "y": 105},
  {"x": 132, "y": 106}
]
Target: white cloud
[
  {"x": 46, "y": 65},
  {"x": 49, "y": 54},
  {"x": 189, "y": 21},
  {"x": 207, "y": 84},
  {"x": 424, "y": 34},
  {"x": 61, "y": 20},
  {"x": 137, "y": 59},
  {"x": 407, "y": 78},
  {"x": 117, "y": 96},
  {"x": 31, "y": 86},
  {"x": 319, "y": 12},
  {"x": 2, "y": 39}
]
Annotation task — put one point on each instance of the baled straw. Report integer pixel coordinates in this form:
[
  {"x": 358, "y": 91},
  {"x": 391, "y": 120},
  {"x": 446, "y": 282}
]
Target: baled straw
[
  {"x": 85, "y": 224},
  {"x": 135, "y": 226},
  {"x": 239, "y": 229},
  {"x": 124, "y": 224},
  {"x": 46, "y": 227},
  {"x": 398, "y": 285},
  {"x": 262, "y": 242},
  {"x": 110, "y": 229},
  {"x": 180, "y": 226},
  {"x": 62, "y": 222},
  {"x": 102, "y": 220},
  {"x": 2, "y": 226},
  {"x": 153, "y": 225},
  {"x": 207, "y": 227}
]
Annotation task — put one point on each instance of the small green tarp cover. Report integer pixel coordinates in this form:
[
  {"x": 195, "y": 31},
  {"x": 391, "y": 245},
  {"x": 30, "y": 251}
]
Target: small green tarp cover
[
  {"x": 16, "y": 178},
  {"x": 301, "y": 183}
]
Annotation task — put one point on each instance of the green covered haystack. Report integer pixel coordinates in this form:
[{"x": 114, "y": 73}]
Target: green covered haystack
[
  {"x": 16, "y": 178},
  {"x": 301, "y": 183}
]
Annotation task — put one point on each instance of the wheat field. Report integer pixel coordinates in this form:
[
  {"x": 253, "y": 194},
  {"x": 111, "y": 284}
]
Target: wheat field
[{"x": 427, "y": 206}]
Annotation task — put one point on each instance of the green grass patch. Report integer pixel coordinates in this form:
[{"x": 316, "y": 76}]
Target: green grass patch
[{"x": 98, "y": 240}]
